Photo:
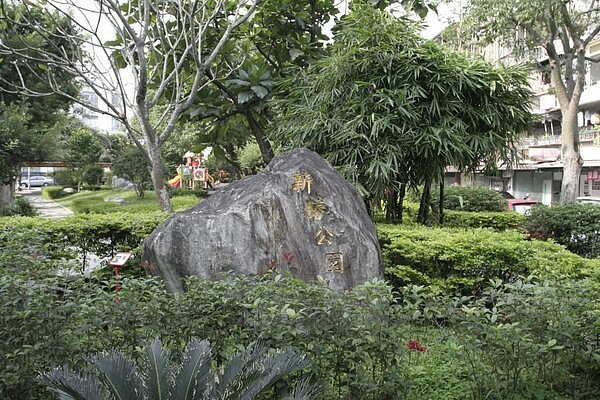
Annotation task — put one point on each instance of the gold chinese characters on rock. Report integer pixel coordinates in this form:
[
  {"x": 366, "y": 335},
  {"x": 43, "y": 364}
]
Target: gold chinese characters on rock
[
  {"x": 302, "y": 182},
  {"x": 324, "y": 236},
  {"x": 334, "y": 262},
  {"x": 315, "y": 209}
]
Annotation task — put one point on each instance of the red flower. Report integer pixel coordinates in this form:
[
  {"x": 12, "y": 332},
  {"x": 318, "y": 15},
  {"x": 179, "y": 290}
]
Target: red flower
[{"x": 415, "y": 345}]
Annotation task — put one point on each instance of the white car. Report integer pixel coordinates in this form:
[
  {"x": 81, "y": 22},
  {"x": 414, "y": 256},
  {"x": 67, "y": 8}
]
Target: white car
[
  {"x": 36, "y": 181},
  {"x": 589, "y": 200}
]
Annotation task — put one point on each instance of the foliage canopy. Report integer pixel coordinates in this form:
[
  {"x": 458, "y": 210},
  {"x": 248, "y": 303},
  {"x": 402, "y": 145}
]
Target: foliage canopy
[{"x": 390, "y": 109}]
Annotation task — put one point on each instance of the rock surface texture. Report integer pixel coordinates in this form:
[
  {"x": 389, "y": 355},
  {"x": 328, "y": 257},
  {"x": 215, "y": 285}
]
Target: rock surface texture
[{"x": 298, "y": 216}]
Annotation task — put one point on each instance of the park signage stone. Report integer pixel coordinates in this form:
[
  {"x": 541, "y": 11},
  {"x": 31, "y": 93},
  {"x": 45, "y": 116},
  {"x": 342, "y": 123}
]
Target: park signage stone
[{"x": 297, "y": 217}]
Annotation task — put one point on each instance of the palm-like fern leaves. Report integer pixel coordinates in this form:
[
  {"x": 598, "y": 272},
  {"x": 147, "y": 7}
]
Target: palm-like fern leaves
[
  {"x": 244, "y": 377},
  {"x": 256, "y": 370}
]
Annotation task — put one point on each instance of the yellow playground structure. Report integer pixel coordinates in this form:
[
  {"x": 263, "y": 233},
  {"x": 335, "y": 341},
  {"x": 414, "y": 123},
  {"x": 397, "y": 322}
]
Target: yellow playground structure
[{"x": 193, "y": 174}]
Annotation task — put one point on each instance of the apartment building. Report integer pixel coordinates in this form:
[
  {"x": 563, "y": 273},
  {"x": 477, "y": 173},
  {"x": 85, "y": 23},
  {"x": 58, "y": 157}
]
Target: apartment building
[
  {"x": 538, "y": 174},
  {"x": 95, "y": 119}
]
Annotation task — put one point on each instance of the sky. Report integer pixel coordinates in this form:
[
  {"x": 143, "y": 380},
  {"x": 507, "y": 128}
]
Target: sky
[{"x": 434, "y": 23}]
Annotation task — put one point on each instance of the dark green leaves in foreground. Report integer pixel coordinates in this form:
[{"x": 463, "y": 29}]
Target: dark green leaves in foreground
[{"x": 245, "y": 376}]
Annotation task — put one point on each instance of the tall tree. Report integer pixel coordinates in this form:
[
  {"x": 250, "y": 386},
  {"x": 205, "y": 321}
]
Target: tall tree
[
  {"x": 29, "y": 125},
  {"x": 145, "y": 66},
  {"x": 282, "y": 33},
  {"x": 391, "y": 110},
  {"x": 563, "y": 29}
]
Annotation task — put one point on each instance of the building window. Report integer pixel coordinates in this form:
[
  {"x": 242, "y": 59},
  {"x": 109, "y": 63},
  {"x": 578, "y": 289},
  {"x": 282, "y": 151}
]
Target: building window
[
  {"x": 545, "y": 77},
  {"x": 90, "y": 98},
  {"x": 594, "y": 73},
  {"x": 116, "y": 125},
  {"x": 116, "y": 101}
]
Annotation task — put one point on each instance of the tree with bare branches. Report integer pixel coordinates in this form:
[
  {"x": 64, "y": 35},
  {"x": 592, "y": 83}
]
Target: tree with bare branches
[{"x": 134, "y": 56}]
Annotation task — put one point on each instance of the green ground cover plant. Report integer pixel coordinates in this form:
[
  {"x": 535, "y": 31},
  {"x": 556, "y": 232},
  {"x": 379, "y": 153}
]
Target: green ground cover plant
[
  {"x": 527, "y": 339},
  {"x": 95, "y": 202},
  {"x": 444, "y": 327}
]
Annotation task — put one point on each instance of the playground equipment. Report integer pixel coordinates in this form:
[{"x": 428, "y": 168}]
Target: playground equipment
[{"x": 192, "y": 174}]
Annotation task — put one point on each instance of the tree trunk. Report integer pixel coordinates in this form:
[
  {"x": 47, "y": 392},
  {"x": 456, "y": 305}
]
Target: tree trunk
[
  {"x": 571, "y": 157},
  {"x": 391, "y": 206},
  {"x": 395, "y": 200},
  {"x": 441, "y": 204},
  {"x": 265, "y": 147},
  {"x": 7, "y": 194},
  {"x": 423, "y": 216},
  {"x": 158, "y": 180}
]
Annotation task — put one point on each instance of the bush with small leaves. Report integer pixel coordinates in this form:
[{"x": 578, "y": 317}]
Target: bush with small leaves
[
  {"x": 462, "y": 261},
  {"x": 575, "y": 226},
  {"x": 21, "y": 207},
  {"x": 473, "y": 199}
]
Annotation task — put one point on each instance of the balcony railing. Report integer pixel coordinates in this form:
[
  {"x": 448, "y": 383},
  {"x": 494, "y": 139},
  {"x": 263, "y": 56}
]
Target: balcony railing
[
  {"x": 585, "y": 135},
  {"x": 588, "y": 135},
  {"x": 540, "y": 140}
]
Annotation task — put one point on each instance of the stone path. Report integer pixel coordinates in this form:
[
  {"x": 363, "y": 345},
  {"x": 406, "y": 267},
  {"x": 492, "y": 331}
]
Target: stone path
[{"x": 46, "y": 208}]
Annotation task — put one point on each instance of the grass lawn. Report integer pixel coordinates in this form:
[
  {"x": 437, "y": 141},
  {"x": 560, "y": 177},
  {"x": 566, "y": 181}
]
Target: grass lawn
[{"x": 96, "y": 202}]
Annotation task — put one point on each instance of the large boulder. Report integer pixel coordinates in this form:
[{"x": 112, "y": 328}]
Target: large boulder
[{"x": 298, "y": 216}]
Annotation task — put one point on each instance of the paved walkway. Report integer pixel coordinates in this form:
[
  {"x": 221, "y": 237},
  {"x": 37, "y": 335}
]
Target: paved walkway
[{"x": 46, "y": 208}]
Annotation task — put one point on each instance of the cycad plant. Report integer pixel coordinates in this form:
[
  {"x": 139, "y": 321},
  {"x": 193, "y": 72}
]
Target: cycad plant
[{"x": 244, "y": 376}]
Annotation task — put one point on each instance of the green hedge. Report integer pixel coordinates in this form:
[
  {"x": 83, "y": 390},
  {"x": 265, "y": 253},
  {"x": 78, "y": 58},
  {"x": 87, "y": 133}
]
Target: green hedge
[
  {"x": 472, "y": 199},
  {"x": 418, "y": 255},
  {"x": 499, "y": 221},
  {"x": 463, "y": 261},
  {"x": 53, "y": 192},
  {"x": 59, "y": 239},
  {"x": 575, "y": 226}
]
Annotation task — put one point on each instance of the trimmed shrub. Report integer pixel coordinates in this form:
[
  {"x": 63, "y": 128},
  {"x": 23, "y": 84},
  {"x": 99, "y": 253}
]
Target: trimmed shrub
[
  {"x": 100, "y": 234},
  {"x": 93, "y": 205},
  {"x": 53, "y": 192},
  {"x": 469, "y": 199},
  {"x": 575, "y": 226},
  {"x": 91, "y": 188},
  {"x": 180, "y": 192},
  {"x": 463, "y": 261},
  {"x": 499, "y": 221}
]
